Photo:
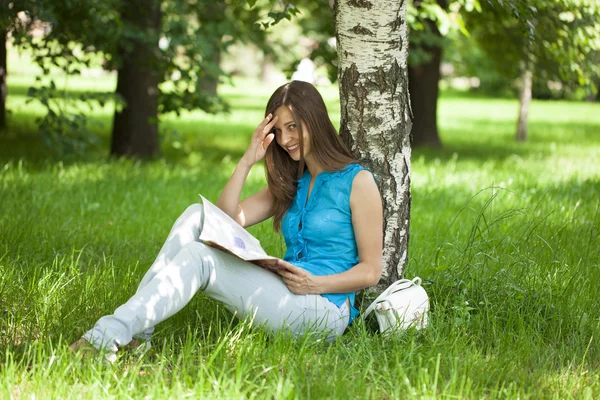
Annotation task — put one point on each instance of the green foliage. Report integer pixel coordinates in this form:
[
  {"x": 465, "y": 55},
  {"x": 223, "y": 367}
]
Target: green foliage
[
  {"x": 432, "y": 21},
  {"x": 196, "y": 33},
  {"x": 65, "y": 127},
  {"x": 559, "y": 38},
  {"x": 317, "y": 23},
  {"x": 468, "y": 59},
  {"x": 71, "y": 42},
  {"x": 87, "y": 33},
  {"x": 288, "y": 12}
]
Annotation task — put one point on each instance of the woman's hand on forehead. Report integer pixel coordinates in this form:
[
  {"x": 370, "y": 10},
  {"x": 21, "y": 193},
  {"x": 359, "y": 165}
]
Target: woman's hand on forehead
[{"x": 260, "y": 141}]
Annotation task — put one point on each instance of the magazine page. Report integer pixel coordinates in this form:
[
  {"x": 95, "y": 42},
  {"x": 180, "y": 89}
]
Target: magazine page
[{"x": 221, "y": 231}]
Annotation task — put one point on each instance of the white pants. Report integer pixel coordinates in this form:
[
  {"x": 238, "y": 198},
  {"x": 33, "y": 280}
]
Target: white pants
[{"x": 184, "y": 266}]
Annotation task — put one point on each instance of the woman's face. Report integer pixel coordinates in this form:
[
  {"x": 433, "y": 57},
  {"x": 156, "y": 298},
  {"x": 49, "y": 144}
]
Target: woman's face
[{"x": 287, "y": 136}]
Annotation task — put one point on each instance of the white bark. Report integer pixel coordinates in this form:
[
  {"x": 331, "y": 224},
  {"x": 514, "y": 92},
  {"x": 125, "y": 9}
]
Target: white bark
[
  {"x": 373, "y": 49},
  {"x": 524, "y": 100}
]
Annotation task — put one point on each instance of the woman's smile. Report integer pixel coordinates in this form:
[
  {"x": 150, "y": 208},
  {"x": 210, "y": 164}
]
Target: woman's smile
[{"x": 292, "y": 149}]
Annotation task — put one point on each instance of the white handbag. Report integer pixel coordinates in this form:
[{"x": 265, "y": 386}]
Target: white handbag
[{"x": 405, "y": 303}]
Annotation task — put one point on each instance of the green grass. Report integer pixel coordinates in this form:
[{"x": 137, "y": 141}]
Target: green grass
[{"x": 505, "y": 235}]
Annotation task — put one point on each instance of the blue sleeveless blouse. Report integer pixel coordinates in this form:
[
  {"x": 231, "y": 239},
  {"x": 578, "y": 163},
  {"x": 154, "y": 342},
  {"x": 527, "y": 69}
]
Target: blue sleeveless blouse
[{"x": 318, "y": 234}]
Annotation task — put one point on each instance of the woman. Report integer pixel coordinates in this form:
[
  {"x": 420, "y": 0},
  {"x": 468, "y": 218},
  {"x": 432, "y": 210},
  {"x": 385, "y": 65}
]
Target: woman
[{"x": 326, "y": 205}]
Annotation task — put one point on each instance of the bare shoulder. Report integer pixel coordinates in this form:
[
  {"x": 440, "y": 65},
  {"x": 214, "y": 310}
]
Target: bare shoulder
[
  {"x": 367, "y": 220},
  {"x": 364, "y": 188}
]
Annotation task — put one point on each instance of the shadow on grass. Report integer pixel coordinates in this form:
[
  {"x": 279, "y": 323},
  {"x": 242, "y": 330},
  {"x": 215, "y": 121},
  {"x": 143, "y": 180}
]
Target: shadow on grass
[
  {"x": 496, "y": 141},
  {"x": 15, "y": 89},
  {"x": 24, "y": 142},
  {"x": 554, "y": 227},
  {"x": 482, "y": 140}
]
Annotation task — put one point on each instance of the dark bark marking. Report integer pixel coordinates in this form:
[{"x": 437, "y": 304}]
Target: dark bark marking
[
  {"x": 348, "y": 79},
  {"x": 360, "y": 94},
  {"x": 403, "y": 217},
  {"x": 405, "y": 211},
  {"x": 361, "y": 4},
  {"x": 395, "y": 257},
  {"x": 388, "y": 169},
  {"x": 358, "y": 91},
  {"x": 361, "y": 30},
  {"x": 396, "y": 23},
  {"x": 394, "y": 74},
  {"x": 350, "y": 76},
  {"x": 408, "y": 104},
  {"x": 400, "y": 43},
  {"x": 377, "y": 121},
  {"x": 381, "y": 80},
  {"x": 347, "y": 136}
]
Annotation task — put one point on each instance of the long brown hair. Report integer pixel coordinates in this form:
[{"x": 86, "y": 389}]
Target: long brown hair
[{"x": 309, "y": 111}]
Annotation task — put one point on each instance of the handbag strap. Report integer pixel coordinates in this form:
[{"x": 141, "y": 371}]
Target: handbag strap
[{"x": 393, "y": 288}]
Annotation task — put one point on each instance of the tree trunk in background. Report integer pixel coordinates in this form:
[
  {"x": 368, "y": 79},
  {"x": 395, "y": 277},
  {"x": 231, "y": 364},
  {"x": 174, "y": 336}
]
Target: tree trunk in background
[
  {"x": 214, "y": 14},
  {"x": 375, "y": 113},
  {"x": 524, "y": 100},
  {"x": 268, "y": 71},
  {"x": 3, "y": 74},
  {"x": 135, "y": 127},
  {"x": 423, "y": 82},
  {"x": 209, "y": 83},
  {"x": 595, "y": 96},
  {"x": 424, "y": 91}
]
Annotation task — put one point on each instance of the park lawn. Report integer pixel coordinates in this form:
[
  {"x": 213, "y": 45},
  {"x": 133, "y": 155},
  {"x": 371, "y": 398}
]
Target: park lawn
[{"x": 506, "y": 237}]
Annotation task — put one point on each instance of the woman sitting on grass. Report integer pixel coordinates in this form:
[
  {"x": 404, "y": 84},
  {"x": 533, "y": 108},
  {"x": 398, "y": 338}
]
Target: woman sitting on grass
[{"x": 326, "y": 205}]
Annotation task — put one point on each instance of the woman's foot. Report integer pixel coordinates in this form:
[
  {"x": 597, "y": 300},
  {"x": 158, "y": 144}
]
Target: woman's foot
[
  {"x": 83, "y": 347},
  {"x": 137, "y": 345},
  {"x": 86, "y": 350}
]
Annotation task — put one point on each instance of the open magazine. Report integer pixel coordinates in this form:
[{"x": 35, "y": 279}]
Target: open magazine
[{"x": 219, "y": 230}]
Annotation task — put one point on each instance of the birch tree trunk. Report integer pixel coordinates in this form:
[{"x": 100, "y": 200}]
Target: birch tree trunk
[
  {"x": 524, "y": 100},
  {"x": 372, "y": 47}
]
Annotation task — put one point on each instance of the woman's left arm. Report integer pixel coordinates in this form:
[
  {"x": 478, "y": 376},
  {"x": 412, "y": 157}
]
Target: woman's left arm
[{"x": 367, "y": 222}]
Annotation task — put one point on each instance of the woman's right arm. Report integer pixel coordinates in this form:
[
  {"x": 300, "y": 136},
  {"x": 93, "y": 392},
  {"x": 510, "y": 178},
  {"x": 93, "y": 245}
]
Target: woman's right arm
[{"x": 257, "y": 207}]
